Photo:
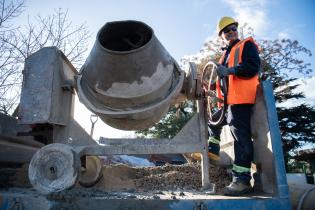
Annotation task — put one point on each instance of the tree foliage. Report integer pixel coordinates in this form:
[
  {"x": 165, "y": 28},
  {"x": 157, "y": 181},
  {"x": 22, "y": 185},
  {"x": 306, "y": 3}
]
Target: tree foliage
[{"x": 17, "y": 42}]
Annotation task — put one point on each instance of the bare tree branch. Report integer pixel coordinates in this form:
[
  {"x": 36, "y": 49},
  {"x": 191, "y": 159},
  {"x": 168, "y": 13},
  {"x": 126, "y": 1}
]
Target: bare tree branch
[
  {"x": 8, "y": 11},
  {"x": 19, "y": 42}
]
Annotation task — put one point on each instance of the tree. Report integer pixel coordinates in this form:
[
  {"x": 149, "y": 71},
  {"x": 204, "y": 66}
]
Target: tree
[
  {"x": 9, "y": 73},
  {"x": 21, "y": 41},
  {"x": 282, "y": 63}
]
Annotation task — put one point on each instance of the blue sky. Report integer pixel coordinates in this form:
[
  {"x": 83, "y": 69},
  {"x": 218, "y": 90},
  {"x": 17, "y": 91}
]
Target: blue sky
[{"x": 184, "y": 25}]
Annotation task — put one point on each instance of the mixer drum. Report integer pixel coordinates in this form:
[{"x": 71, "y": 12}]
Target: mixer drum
[{"x": 129, "y": 79}]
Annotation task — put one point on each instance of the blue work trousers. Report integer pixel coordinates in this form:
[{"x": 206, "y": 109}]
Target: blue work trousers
[{"x": 238, "y": 119}]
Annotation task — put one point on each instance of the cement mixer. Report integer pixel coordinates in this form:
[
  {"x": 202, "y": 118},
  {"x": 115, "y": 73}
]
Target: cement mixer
[{"x": 129, "y": 80}]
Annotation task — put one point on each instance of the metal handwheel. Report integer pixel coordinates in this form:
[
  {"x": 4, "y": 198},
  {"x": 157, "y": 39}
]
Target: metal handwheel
[{"x": 216, "y": 107}]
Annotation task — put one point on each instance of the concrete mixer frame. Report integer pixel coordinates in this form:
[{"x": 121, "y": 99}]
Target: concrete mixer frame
[{"x": 54, "y": 76}]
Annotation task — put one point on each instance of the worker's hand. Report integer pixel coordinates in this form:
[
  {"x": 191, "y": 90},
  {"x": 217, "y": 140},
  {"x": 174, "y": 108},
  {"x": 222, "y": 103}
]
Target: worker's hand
[{"x": 223, "y": 71}]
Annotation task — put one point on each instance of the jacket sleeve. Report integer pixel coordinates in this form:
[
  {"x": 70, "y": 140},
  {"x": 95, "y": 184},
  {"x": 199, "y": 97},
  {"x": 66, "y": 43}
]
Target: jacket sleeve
[{"x": 250, "y": 64}]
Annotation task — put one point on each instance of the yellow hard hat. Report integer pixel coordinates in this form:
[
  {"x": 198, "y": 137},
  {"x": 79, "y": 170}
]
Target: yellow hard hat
[{"x": 224, "y": 22}]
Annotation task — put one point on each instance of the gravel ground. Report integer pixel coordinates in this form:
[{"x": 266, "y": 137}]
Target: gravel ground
[
  {"x": 181, "y": 177},
  {"x": 168, "y": 177}
]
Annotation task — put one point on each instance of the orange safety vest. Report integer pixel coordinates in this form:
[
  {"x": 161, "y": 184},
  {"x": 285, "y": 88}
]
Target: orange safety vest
[{"x": 240, "y": 90}]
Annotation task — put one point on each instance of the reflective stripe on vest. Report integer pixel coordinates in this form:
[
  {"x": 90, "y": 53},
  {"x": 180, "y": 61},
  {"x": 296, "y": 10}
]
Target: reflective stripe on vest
[{"x": 240, "y": 90}]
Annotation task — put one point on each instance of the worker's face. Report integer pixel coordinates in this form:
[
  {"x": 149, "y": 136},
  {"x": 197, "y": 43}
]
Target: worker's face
[{"x": 229, "y": 34}]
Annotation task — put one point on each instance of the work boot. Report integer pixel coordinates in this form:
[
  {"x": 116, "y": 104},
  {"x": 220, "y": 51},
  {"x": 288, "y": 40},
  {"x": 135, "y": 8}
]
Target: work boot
[
  {"x": 237, "y": 188},
  {"x": 214, "y": 149}
]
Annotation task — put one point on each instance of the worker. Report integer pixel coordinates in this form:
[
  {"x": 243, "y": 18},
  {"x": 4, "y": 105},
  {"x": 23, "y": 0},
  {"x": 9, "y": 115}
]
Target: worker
[{"x": 239, "y": 65}]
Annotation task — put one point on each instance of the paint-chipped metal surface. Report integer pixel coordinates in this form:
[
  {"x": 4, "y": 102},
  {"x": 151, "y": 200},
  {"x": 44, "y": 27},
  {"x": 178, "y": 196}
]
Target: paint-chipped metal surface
[
  {"x": 45, "y": 77},
  {"x": 86, "y": 199}
]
